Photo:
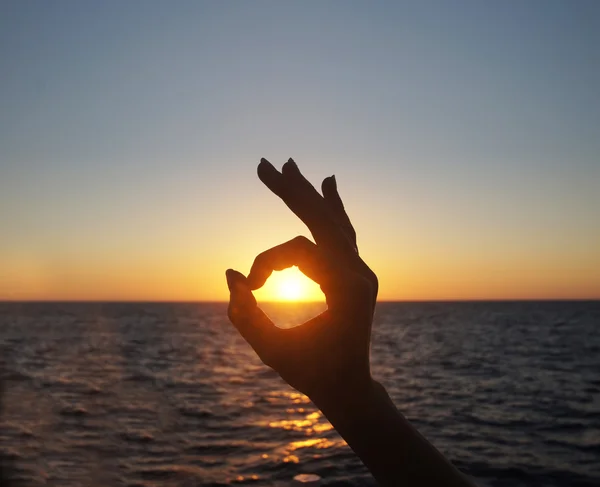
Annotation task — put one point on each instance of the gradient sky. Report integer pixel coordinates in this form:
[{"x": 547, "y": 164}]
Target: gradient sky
[{"x": 464, "y": 136}]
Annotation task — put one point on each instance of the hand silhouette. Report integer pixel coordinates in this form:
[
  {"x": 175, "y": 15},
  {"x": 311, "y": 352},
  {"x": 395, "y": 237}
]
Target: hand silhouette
[
  {"x": 329, "y": 354},
  {"x": 327, "y": 358}
]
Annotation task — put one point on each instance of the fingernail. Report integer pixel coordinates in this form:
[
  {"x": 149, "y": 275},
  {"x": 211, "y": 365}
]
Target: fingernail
[
  {"x": 236, "y": 282},
  {"x": 331, "y": 184},
  {"x": 290, "y": 165}
]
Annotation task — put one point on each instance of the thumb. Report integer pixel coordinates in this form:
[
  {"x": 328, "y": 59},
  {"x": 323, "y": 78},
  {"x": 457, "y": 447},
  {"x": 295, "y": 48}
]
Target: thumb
[
  {"x": 254, "y": 325},
  {"x": 240, "y": 293}
]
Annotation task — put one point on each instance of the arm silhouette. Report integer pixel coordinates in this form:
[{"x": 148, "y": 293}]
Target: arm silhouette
[{"x": 327, "y": 358}]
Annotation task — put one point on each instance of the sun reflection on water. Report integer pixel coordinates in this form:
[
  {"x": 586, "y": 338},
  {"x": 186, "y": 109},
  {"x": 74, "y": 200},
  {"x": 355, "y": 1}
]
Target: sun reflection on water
[{"x": 301, "y": 420}]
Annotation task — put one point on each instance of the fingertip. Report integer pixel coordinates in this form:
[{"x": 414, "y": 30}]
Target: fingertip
[
  {"x": 290, "y": 167},
  {"x": 329, "y": 186},
  {"x": 254, "y": 282},
  {"x": 235, "y": 279},
  {"x": 270, "y": 176},
  {"x": 230, "y": 277},
  {"x": 241, "y": 297},
  {"x": 264, "y": 166}
]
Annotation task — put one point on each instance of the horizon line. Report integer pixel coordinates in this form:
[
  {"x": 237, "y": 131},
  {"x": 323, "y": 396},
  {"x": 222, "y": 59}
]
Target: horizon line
[{"x": 203, "y": 301}]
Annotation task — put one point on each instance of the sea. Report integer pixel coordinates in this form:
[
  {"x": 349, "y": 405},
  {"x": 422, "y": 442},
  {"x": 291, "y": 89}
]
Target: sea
[{"x": 163, "y": 394}]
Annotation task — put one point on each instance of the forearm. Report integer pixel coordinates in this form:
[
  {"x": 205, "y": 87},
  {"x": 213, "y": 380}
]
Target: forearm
[{"x": 393, "y": 450}]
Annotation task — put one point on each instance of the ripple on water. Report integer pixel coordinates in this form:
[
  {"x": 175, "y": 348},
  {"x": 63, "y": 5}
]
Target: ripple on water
[{"x": 160, "y": 394}]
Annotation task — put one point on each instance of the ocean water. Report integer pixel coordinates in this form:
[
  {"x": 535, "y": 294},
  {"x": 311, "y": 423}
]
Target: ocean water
[{"x": 169, "y": 395}]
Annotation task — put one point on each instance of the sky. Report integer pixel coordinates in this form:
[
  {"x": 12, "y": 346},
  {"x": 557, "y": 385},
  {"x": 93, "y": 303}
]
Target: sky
[{"x": 464, "y": 136}]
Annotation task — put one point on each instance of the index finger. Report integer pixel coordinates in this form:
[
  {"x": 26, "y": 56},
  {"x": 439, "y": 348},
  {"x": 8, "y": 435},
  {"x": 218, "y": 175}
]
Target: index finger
[{"x": 299, "y": 252}]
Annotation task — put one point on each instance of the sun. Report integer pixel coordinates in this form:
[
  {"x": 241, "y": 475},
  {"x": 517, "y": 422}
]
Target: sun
[
  {"x": 290, "y": 289},
  {"x": 289, "y": 285}
]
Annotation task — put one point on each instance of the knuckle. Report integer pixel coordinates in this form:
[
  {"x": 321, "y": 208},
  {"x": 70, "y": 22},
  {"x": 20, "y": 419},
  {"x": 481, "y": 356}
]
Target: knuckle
[
  {"x": 301, "y": 241},
  {"x": 231, "y": 312},
  {"x": 235, "y": 313},
  {"x": 373, "y": 279},
  {"x": 370, "y": 276}
]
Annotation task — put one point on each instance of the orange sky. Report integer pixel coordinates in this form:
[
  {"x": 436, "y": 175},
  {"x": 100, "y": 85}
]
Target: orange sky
[
  {"x": 407, "y": 271},
  {"x": 182, "y": 253}
]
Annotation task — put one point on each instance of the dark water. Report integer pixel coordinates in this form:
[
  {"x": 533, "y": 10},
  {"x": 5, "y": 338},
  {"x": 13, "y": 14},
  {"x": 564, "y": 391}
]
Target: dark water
[{"x": 169, "y": 395}]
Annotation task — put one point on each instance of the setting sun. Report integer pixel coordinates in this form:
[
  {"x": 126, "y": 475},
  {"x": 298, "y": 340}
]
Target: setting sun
[
  {"x": 290, "y": 289},
  {"x": 289, "y": 285}
]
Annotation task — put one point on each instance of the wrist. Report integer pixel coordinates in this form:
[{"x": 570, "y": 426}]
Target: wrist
[{"x": 343, "y": 404}]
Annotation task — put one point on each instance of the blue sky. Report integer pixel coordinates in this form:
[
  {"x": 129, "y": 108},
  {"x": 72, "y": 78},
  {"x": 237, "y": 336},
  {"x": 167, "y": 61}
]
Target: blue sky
[{"x": 465, "y": 137}]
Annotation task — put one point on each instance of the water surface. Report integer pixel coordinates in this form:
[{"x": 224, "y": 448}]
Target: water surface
[{"x": 168, "y": 394}]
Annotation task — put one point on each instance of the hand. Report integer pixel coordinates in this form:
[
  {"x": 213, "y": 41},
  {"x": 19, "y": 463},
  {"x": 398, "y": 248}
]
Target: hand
[{"x": 328, "y": 356}]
